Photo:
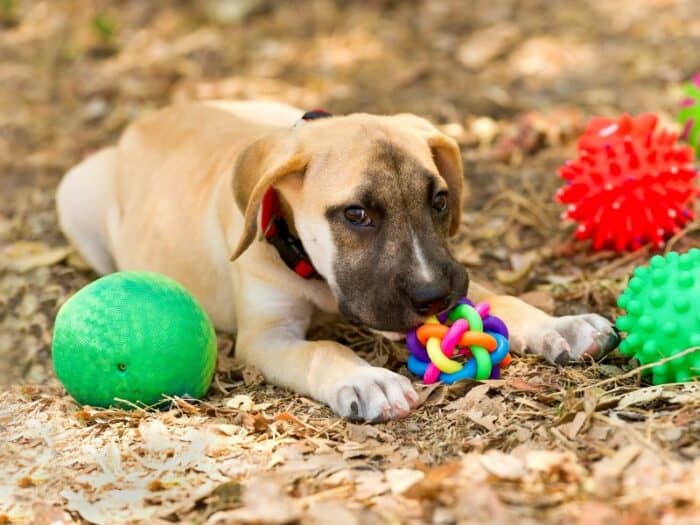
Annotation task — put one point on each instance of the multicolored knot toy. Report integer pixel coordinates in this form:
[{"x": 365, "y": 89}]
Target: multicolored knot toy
[{"x": 467, "y": 330}]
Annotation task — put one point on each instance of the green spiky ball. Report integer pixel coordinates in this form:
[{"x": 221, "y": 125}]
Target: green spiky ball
[
  {"x": 663, "y": 315},
  {"x": 134, "y": 336},
  {"x": 689, "y": 114}
]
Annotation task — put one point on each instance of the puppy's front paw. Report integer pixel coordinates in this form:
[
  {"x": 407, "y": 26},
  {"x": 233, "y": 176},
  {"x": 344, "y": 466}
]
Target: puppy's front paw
[
  {"x": 563, "y": 339},
  {"x": 374, "y": 394}
]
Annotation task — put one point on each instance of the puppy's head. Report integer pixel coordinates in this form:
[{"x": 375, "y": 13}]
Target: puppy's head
[{"x": 373, "y": 199}]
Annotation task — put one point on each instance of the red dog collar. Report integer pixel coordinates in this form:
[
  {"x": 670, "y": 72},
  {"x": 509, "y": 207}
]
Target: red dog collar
[
  {"x": 315, "y": 114},
  {"x": 277, "y": 233},
  {"x": 276, "y": 230}
]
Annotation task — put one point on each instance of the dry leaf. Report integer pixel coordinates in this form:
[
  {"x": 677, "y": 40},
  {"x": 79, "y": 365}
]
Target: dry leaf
[
  {"x": 240, "y": 402},
  {"x": 47, "y": 514},
  {"x": 471, "y": 399},
  {"x": 23, "y": 256},
  {"x": 572, "y": 429},
  {"x": 486, "y": 44},
  {"x": 264, "y": 501},
  {"x": 400, "y": 479},
  {"x": 156, "y": 485},
  {"x": 522, "y": 264},
  {"x": 78, "y": 262},
  {"x": 255, "y": 422},
  {"x": 486, "y": 421},
  {"x": 599, "y": 513},
  {"x": 252, "y": 376},
  {"x": 360, "y": 433},
  {"x": 558, "y": 465},
  {"x": 502, "y": 465},
  {"x": 433, "y": 394},
  {"x": 466, "y": 254},
  {"x": 614, "y": 465},
  {"x": 331, "y": 513},
  {"x": 670, "y": 433},
  {"x": 521, "y": 385},
  {"x": 369, "y": 484},
  {"x": 641, "y": 396},
  {"x": 431, "y": 484}
]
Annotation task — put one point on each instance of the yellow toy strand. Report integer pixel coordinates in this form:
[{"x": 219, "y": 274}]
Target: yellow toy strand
[{"x": 440, "y": 360}]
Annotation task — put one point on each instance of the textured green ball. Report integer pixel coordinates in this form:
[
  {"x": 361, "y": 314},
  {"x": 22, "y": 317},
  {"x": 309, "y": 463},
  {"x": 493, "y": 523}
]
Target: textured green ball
[
  {"x": 134, "y": 336},
  {"x": 689, "y": 114},
  {"x": 663, "y": 315}
]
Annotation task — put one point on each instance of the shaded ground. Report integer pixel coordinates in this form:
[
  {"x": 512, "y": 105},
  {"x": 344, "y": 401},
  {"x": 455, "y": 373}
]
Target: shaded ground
[{"x": 514, "y": 82}]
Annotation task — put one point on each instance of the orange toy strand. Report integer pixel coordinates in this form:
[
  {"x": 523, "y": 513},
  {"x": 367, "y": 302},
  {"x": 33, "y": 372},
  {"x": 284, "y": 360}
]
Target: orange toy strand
[
  {"x": 427, "y": 331},
  {"x": 469, "y": 338},
  {"x": 478, "y": 339}
]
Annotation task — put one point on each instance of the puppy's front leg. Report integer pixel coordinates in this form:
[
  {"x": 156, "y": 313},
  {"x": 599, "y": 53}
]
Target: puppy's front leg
[
  {"x": 558, "y": 339},
  {"x": 272, "y": 336}
]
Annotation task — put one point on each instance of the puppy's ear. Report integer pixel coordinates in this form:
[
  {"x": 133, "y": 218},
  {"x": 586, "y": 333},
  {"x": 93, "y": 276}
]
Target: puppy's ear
[
  {"x": 448, "y": 161},
  {"x": 260, "y": 166}
]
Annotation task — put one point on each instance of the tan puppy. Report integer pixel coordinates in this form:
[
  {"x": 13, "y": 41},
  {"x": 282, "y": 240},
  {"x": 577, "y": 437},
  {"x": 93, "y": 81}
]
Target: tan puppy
[{"x": 372, "y": 199}]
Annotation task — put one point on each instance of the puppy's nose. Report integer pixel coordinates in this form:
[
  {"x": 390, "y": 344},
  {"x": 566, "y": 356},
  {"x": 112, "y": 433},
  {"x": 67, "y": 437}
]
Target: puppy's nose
[{"x": 430, "y": 299}]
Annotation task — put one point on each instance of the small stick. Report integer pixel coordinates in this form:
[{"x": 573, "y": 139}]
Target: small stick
[
  {"x": 639, "y": 369},
  {"x": 621, "y": 261},
  {"x": 694, "y": 226}
]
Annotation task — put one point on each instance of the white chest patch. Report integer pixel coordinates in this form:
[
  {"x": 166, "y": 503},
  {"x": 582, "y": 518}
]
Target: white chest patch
[{"x": 317, "y": 238}]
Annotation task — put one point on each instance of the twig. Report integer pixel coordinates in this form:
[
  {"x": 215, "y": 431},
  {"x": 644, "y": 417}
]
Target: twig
[
  {"x": 679, "y": 491},
  {"x": 562, "y": 439},
  {"x": 137, "y": 406},
  {"x": 343, "y": 491},
  {"x": 621, "y": 261},
  {"x": 639, "y": 369},
  {"x": 695, "y": 226},
  {"x": 633, "y": 432}
]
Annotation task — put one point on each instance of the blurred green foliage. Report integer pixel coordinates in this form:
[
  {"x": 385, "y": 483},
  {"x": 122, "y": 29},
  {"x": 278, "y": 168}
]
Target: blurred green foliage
[
  {"x": 105, "y": 27},
  {"x": 8, "y": 12}
]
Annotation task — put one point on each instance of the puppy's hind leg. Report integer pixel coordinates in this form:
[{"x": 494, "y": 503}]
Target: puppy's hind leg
[{"x": 83, "y": 200}]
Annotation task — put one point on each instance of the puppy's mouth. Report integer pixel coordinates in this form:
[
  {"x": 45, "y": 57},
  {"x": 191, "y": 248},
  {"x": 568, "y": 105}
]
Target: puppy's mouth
[
  {"x": 396, "y": 327},
  {"x": 391, "y": 336},
  {"x": 396, "y": 314},
  {"x": 446, "y": 306}
]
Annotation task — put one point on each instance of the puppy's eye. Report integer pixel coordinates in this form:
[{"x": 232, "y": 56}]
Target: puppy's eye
[
  {"x": 357, "y": 216},
  {"x": 440, "y": 202}
]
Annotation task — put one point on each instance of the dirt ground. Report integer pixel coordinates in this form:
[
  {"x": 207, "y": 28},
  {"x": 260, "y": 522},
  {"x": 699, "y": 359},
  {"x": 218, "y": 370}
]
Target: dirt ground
[{"x": 514, "y": 82}]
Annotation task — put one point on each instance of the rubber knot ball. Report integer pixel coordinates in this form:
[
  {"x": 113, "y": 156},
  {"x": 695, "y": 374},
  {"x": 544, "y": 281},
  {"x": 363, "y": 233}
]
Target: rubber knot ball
[
  {"x": 630, "y": 185},
  {"x": 662, "y": 316},
  {"x": 466, "y": 331},
  {"x": 131, "y": 338}
]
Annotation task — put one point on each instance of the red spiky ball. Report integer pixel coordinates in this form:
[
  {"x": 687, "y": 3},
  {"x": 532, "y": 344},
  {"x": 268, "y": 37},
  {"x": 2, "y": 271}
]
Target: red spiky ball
[{"x": 630, "y": 185}]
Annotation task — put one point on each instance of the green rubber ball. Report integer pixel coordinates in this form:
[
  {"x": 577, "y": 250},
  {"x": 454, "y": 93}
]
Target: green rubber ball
[
  {"x": 662, "y": 319},
  {"x": 133, "y": 336}
]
